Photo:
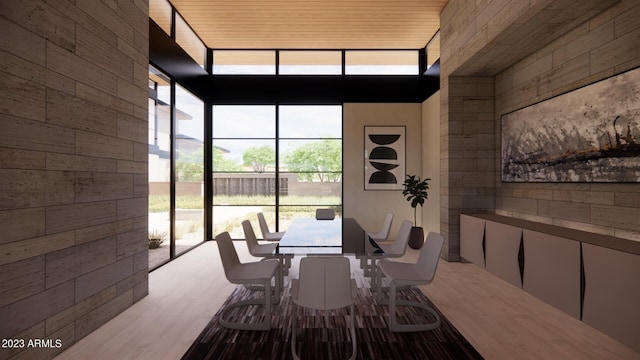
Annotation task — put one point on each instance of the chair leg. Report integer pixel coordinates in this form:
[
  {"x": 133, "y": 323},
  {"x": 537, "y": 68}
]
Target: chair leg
[
  {"x": 378, "y": 285},
  {"x": 279, "y": 285},
  {"x": 372, "y": 269},
  {"x": 285, "y": 260},
  {"x": 268, "y": 298},
  {"x": 368, "y": 265},
  {"x": 394, "y": 302},
  {"x": 363, "y": 261},
  {"x": 294, "y": 329},
  {"x": 265, "y": 324},
  {"x": 354, "y": 347}
]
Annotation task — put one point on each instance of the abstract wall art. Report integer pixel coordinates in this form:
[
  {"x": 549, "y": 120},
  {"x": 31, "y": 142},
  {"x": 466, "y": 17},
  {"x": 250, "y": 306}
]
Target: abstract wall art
[
  {"x": 591, "y": 134},
  {"x": 384, "y": 157}
]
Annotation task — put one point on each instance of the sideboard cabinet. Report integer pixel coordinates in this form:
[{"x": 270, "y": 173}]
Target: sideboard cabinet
[{"x": 592, "y": 277}]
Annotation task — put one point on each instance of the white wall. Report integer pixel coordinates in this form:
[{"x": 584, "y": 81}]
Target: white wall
[{"x": 370, "y": 207}]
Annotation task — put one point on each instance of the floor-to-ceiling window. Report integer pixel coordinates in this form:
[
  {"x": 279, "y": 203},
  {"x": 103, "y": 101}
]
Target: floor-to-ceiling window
[
  {"x": 244, "y": 153},
  {"x": 189, "y": 170},
  {"x": 176, "y": 149},
  {"x": 176, "y": 136},
  {"x": 283, "y": 161},
  {"x": 310, "y": 160},
  {"x": 159, "y": 167}
]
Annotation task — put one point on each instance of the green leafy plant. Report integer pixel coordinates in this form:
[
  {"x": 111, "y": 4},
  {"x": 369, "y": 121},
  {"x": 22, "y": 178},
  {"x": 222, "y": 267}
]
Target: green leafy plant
[
  {"x": 319, "y": 160},
  {"x": 259, "y": 157},
  {"x": 415, "y": 190}
]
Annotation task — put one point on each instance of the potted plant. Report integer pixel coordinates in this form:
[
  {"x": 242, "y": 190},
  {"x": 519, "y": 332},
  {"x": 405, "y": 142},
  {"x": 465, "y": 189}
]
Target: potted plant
[
  {"x": 415, "y": 190},
  {"x": 156, "y": 238}
]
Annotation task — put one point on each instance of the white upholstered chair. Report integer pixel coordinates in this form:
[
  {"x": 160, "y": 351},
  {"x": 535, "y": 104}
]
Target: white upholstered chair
[
  {"x": 255, "y": 248},
  {"x": 399, "y": 246},
  {"x": 263, "y": 250},
  {"x": 383, "y": 233},
  {"x": 409, "y": 274},
  {"x": 266, "y": 233},
  {"x": 393, "y": 250},
  {"x": 325, "y": 214},
  {"x": 324, "y": 283},
  {"x": 260, "y": 273}
]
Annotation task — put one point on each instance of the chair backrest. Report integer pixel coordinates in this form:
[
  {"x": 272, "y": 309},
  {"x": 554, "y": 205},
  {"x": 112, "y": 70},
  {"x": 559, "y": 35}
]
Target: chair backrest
[
  {"x": 325, "y": 214},
  {"x": 263, "y": 225},
  {"x": 324, "y": 283},
  {"x": 249, "y": 236},
  {"x": 228, "y": 252},
  {"x": 430, "y": 255},
  {"x": 386, "y": 225},
  {"x": 383, "y": 234},
  {"x": 399, "y": 247}
]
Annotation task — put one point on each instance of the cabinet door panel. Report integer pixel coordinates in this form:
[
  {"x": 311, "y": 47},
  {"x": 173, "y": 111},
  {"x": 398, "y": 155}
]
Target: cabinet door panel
[
  {"x": 503, "y": 245},
  {"x": 471, "y": 238},
  {"x": 612, "y": 293},
  {"x": 552, "y": 270}
]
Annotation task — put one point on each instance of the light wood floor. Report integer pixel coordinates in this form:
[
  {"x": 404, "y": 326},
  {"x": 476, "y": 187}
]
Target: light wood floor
[{"x": 501, "y": 321}]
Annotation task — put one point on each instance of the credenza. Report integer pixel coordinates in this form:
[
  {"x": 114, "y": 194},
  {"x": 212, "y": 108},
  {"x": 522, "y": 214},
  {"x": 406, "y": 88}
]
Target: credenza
[{"x": 592, "y": 277}]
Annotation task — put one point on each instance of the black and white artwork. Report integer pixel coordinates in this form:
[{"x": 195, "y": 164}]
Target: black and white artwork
[
  {"x": 591, "y": 134},
  {"x": 384, "y": 157}
]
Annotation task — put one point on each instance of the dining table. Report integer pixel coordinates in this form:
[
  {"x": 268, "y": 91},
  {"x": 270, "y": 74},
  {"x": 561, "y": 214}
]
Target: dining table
[{"x": 320, "y": 237}]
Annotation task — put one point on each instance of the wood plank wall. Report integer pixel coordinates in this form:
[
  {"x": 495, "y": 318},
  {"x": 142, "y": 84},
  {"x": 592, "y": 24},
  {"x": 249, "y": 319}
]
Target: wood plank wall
[{"x": 73, "y": 167}]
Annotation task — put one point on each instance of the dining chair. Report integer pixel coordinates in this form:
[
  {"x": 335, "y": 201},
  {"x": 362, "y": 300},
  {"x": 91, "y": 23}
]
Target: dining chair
[
  {"x": 259, "y": 272},
  {"x": 255, "y": 248},
  {"x": 324, "y": 283},
  {"x": 266, "y": 234},
  {"x": 402, "y": 274},
  {"x": 383, "y": 233},
  {"x": 393, "y": 250},
  {"x": 325, "y": 214},
  {"x": 264, "y": 250}
]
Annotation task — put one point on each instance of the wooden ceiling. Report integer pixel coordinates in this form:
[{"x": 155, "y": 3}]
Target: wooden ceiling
[{"x": 313, "y": 24}]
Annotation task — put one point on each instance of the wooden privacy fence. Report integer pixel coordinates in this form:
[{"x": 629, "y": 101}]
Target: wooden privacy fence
[{"x": 248, "y": 186}]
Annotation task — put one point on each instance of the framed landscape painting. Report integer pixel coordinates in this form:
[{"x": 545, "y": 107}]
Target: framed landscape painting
[
  {"x": 591, "y": 134},
  {"x": 384, "y": 157}
]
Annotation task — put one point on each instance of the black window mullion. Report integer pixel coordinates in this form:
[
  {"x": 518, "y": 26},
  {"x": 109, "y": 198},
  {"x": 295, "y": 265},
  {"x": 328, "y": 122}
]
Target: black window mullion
[
  {"x": 172, "y": 171},
  {"x": 277, "y": 141}
]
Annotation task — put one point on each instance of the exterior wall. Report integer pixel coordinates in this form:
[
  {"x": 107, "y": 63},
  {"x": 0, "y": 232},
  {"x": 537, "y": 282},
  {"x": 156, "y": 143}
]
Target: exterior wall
[
  {"x": 370, "y": 207},
  {"x": 606, "y": 45},
  {"x": 73, "y": 167}
]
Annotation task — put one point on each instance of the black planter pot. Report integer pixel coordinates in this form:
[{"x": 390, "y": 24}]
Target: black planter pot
[{"x": 416, "y": 237}]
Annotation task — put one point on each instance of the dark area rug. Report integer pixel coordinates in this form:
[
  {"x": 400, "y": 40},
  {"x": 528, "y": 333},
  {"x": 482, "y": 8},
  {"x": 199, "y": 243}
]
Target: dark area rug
[{"x": 325, "y": 334}]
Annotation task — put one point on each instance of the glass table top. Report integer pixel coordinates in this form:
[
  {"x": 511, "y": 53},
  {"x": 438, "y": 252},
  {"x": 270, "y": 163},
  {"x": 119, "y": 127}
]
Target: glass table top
[{"x": 338, "y": 236}]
